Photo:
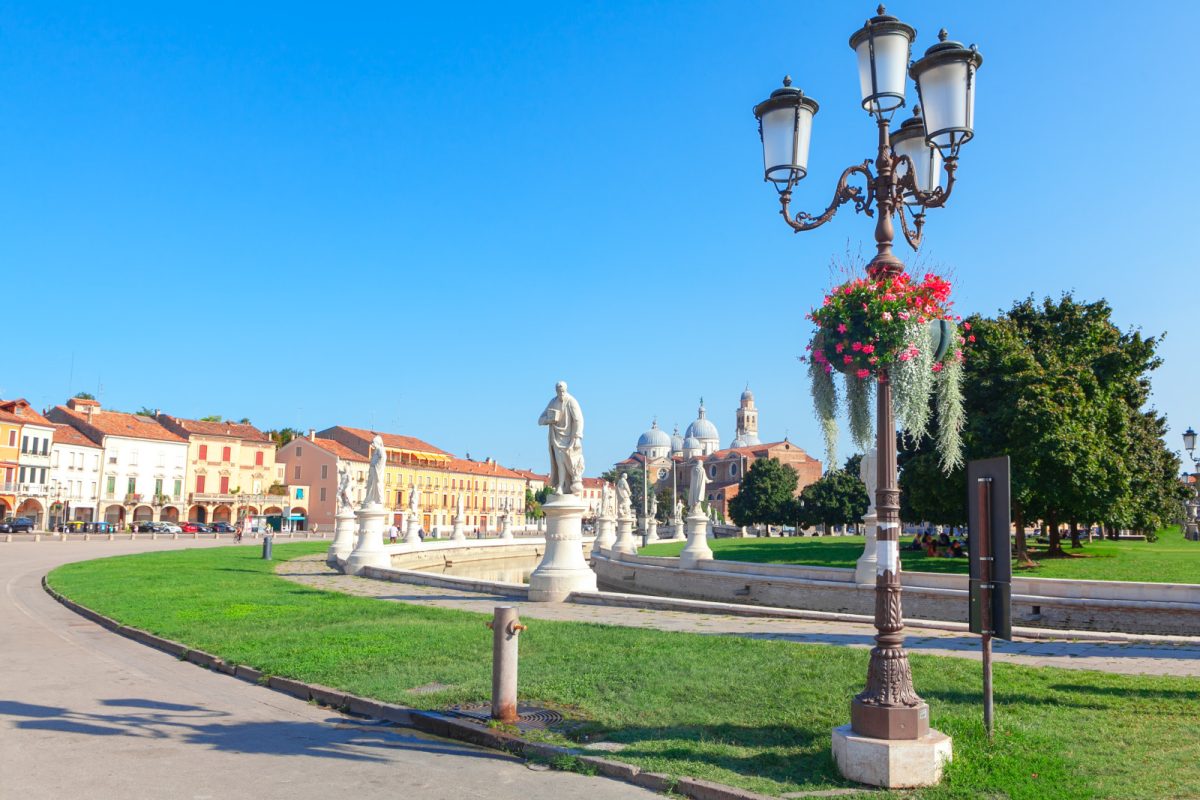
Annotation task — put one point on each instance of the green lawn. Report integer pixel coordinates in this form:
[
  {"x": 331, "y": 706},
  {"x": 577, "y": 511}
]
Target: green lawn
[
  {"x": 1171, "y": 559},
  {"x": 748, "y": 712}
]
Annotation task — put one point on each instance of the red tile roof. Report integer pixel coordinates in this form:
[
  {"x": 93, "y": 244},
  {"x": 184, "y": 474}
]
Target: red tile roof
[
  {"x": 462, "y": 465},
  {"x": 530, "y": 475},
  {"x": 594, "y": 483},
  {"x": 392, "y": 440},
  {"x": 114, "y": 423},
  {"x": 22, "y": 412},
  {"x": 199, "y": 427},
  {"x": 65, "y": 434},
  {"x": 338, "y": 449}
]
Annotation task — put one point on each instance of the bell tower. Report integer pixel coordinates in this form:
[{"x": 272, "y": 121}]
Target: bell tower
[{"x": 747, "y": 418}]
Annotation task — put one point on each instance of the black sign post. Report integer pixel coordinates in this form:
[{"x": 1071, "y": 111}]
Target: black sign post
[{"x": 989, "y": 516}]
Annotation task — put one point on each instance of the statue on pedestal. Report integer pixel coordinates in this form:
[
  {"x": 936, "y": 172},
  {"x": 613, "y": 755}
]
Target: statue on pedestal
[
  {"x": 697, "y": 487},
  {"x": 653, "y": 507},
  {"x": 624, "y": 497},
  {"x": 868, "y": 471},
  {"x": 374, "y": 494},
  {"x": 565, "y": 422},
  {"x": 343, "y": 500},
  {"x": 458, "y": 509},
  {"x": 605, "y": 501},
  {"x": 414, "y": 502},
  {"x": 678, "y": 511}
]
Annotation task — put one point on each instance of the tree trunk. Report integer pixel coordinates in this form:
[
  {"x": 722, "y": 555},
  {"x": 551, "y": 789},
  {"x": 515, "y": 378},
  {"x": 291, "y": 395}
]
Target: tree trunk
[
  {"x": 1075, "y": 545},
  {"x": 1022, "y": 554},
  {"x": 1055, "y": 546}
]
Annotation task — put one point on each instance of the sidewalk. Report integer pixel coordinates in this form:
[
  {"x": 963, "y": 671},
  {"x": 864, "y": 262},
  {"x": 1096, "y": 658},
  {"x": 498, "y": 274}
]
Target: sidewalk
[{"x": 1140, "y": 658}]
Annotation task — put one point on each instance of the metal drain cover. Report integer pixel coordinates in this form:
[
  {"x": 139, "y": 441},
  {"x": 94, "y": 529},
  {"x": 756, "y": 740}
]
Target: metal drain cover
[{"x": 531, "y": 717}]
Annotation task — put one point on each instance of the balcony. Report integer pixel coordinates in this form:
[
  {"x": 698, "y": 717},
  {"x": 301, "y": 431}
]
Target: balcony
[
  {"x": 240, "y": 499},
  {"x": 31, "y": 489}
]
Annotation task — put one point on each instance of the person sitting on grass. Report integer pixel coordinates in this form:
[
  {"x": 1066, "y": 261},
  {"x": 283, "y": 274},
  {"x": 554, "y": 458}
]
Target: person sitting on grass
[
  {"x": 956, "y": 549},
  {"x": 916, "y": 543}
]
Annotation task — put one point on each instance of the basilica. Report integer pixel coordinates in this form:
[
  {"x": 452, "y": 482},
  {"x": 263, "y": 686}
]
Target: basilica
[{"x": 669, "y": 458}]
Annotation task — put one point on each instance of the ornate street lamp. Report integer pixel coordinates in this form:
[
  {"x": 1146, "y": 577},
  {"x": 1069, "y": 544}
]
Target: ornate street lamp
[
  {"x": 1189, "y": 440},
  {"x": 912, "y": 171}
]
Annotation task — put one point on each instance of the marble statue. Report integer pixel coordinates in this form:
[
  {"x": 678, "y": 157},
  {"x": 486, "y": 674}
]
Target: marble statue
[
  {"x": 375, "y": 472},
  {"x": 696, "y": 489},
  {"x": 678, "y": 510},
  {"x": 344, "y": 501},
  {"x": 653, "y": 507},
  {"x": 414, "y": 501},
  {"x": 605, "y": 500},
  {"x": 458, "y": 508},
  {"x": 624, "y": 497},
  {"x": 868, "y": 470},
  {"x": 565, "y": 422}
]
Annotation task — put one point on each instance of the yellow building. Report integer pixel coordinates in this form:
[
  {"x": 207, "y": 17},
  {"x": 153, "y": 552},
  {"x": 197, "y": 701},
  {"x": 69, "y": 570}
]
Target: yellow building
[
  {"x": 10, "y": 439},
  {"x": 417, "y": 466},
  {"x": 231, "y": 471}
]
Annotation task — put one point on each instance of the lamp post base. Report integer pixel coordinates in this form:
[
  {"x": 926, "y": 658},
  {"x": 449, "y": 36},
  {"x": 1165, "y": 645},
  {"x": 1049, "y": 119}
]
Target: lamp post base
[
  {"x": 891, "y": 763},
  {"x": 889, "y": 722}
]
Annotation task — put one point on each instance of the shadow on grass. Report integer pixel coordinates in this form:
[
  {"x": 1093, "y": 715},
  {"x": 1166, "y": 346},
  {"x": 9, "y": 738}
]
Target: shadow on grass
[
  {"x": 783, "y": 753},
  {"x": 337, "y": 737}
]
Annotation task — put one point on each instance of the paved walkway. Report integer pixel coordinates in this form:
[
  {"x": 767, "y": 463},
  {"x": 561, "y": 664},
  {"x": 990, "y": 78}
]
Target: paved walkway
[
  {"x": 1141, "y": 658},
  {"x": 87, "y": 713}
]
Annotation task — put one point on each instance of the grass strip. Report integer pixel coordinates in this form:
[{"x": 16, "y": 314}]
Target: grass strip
[
  {"x": 746, "y": 712},
  {"x": 1171, "y": 559}
]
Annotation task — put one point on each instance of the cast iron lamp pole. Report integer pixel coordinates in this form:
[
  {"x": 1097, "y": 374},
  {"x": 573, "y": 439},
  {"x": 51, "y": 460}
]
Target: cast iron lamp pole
[{"x": 907, "y": 177}]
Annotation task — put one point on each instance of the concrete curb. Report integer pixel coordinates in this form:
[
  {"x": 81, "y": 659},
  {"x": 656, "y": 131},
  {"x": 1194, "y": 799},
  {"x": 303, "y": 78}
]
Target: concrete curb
[{"x": 430, "y": 722}]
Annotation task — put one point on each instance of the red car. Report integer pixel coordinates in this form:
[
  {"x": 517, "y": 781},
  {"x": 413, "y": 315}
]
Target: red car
[{"x": 189, "y": 527}]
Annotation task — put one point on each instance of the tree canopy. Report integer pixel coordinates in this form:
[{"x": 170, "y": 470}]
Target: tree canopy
[
  {"x": 765, "y": 494},
  {"x": 84, "y": 396},
  {"x": 837, "y": 498}
]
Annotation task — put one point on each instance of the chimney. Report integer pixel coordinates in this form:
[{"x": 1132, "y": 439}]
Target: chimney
[{"x": 312, "y": 434}]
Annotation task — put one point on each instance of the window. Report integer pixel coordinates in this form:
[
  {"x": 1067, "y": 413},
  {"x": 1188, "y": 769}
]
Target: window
[
  {"x": 712, "y": 471},
  {"x": 199, "y": 484},
  {"x": 54, "y": 459},
  {"x": 12, "y": 438},
  {"x": 203, "y": 453},
  {"x": 296, "y": 472},
  {"x": 158, "y": 487},
  {"x": 46, "y": 445},
  {"x": 96, "y": 462},
  {"x": 24, "y": 444},
  {"x": 224, "y": 484},
  {"x": 297, "y": 451},
  {"x": 225, "y": 453},
  {"x": 21, "y": 479},
  {"x": 732, "y": 470},
  {"x": 111, "y": 488},
  {"x": 133, "y": 457},
  {"x": 258, "y": 458},
  {"x": 178, "y": 487},
  {"x": 322, "y": 494},
  {"x": 299, "y": 494},
  {"x": 324, "y": 472},
  {"x": 131, "y": 486}
]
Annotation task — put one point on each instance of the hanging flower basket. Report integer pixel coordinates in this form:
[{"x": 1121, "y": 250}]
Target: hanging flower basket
[{"x": 906, "y": 327}]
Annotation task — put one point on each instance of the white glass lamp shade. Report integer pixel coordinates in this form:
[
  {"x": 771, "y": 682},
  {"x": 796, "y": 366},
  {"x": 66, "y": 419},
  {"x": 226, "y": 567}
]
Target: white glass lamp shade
[
  {"x": 785, "y": 124},
  {"x": 883, "y": 46},
  {"x": 909, "y": 141},
  {"x": 945, "y": 79},
  {"x": 1189, "y": 440}
]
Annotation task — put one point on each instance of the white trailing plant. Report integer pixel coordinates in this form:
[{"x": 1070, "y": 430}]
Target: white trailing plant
[
  {"x": 912, "y": 383},
  {"x": 825, "y": 400},
  {"x": 951, "y": 415},
  {"x": 858, "y": 410}
]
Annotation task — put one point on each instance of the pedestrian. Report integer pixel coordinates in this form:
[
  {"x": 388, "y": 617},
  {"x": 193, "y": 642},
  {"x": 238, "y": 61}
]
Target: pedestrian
[{"x": 393, "y": 533}]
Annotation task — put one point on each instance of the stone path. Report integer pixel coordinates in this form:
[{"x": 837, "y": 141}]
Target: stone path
[
  {"x": 1140, "y": 658},
  {"x": 86, "y": 713}
]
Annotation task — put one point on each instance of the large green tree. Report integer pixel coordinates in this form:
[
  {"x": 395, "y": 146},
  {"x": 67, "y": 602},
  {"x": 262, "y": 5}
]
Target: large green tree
[
  {"x": 837, "y": 498},
  {"x": 1060, "y": 389},
  {"x": 765, "y": 495}
]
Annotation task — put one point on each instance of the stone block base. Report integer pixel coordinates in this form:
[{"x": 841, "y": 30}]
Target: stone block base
[{"x": 891, "y": 763}]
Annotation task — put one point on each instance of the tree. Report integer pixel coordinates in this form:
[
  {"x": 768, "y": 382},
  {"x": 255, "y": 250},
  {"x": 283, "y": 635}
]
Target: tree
[
  {"x": 84, "y": 396},
  {"x": 145, "y": 411},
  {"x": 282, "y": 436},
  {"x": 244, "y": 421},
  {"x": 211, "y": 418},
  {"x": 533, "y": 506},
  {"x": 837, "y": 498},
  {"x": 1059, "y": 388},
  {"x": 765, "y": 495}
]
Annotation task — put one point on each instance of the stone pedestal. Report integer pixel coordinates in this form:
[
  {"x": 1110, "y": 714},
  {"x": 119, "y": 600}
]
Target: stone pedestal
[
  {"x": 413, "y": 534},
  {"x": 605, "y": 534},
  {"x": 343, "y": 538},
  {"x": 708, "y": 528},
  {"x": 563, "y": 568},
  {"x": 891, "y": 763},
  {"x": 697, "y": 548},
  {"x": 368, "y": 551},
  {"x": 677, "y": 531},
  {"x": 506, "y": 531},
  {"x": 864, "y": 569},
  {"x": 652, "y": 531},
  {"x": 624, "y": 542},
  {"x": 458, "y": 534}
]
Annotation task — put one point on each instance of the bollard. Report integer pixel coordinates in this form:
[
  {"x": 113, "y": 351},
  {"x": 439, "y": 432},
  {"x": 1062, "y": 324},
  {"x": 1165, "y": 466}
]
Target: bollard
[
  {"x": 267, "y": 547},
  {"x": 505, "y": 627}
]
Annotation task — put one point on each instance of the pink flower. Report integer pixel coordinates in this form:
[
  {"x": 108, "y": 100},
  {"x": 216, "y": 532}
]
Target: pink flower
[
  {"x": 886, "y": 316},
  {"x": 839, "y": 347},
  {"x": 904, "y": 356},
  {"x": 903, "y": 314},
  {"x": 847, "y": 359},
  {"x": 841, "y": 328},
  {"x": 868, "y": 348},
  {"x": 856, "y": 346},
  {"x": 937, "y": 367},
  {"x": 971, "y": 338},
  {"x": 862, "y": 373},
  {"x": 865, "y": 307},
  {"x": 873, "y": 360},
  {"x": 967, "y": 325}
]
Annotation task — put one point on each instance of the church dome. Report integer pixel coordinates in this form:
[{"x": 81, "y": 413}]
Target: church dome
[
  {"x": 703, "y": 428},
  {"x": 748, "y": 396},
  {"x": 676, "y": 441},
  {"x": 654, "y": 438},
  {"x": 692, "y": 443}
]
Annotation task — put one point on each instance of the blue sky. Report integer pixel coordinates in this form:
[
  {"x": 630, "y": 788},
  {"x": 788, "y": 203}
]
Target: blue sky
[{"x": 419, "y": 217}]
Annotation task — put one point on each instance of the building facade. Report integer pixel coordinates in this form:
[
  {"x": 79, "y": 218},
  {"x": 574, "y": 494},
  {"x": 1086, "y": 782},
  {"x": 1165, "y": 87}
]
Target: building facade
[
  {"x": 310, "y": 464},
  {"x": 143, "y": 466},
  {"x": 31, "y": 497},
  {"x": 75, "y": 476}
]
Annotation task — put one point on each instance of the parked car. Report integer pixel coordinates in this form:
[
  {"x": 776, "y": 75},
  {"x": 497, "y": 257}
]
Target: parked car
[
  {"x": 222, "y": 527},
  {"x": 168, "y": 527},
  {"x": 194, "y": 527},
  {"x": 16, "y": 525}
]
